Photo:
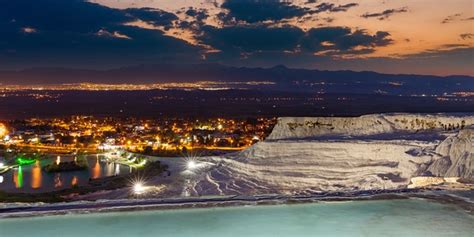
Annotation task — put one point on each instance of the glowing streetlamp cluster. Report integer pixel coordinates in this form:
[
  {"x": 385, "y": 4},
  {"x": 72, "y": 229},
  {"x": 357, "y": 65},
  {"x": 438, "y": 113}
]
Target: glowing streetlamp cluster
[
  {"x": 3, "y": 130},
  {"x": 139, "y": 188},
  {"x": 191, "y": 165}
]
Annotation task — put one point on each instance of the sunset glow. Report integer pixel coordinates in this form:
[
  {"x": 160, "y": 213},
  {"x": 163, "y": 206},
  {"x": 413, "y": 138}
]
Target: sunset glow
[{"x": 421, "y": 37}]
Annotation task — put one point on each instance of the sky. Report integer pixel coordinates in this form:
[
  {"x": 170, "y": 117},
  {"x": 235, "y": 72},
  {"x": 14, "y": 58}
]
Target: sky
[{"x": 393, "y": 36}]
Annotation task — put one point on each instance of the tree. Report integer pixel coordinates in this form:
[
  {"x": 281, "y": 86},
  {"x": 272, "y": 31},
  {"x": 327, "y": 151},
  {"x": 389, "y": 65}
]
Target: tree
[{"x": 148, "y": 150}]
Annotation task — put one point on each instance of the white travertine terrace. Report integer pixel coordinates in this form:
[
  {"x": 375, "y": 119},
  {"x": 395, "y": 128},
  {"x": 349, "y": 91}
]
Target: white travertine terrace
[
  {"x": 374, "y": 124},
  {"x": 345, "y": 154}
]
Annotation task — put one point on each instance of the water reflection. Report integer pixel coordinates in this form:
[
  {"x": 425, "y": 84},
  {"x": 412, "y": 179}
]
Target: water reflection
[
  {"x": 96, "y": 169},
  {"x": 33, "y": 179},
  {"x": 18, "y": 177},
  {"x": 74, "y": 181},
  {"x": 117, "y": 169},
  {"x": 36, "y": 175},
  {"x": 109, "y": 169},
  {"x": 57, "y": 180}
]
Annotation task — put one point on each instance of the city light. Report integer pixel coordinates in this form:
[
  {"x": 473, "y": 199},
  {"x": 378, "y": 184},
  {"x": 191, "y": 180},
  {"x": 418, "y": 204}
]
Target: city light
[
  {"x": 138, "y": 185},
  {"x": 2, "y": 165},
  {"x": 139, "y": 188},
  {"x": 1, "y": 179},
  {"x": 167, "y": 138},
  {"x": 142, "y": 163},
  {"x": 199, "y": 85},
  {"x": 24, "y": 161},
  {"x": 191, "y": 165},
  {"x": 3, "y": 130}
]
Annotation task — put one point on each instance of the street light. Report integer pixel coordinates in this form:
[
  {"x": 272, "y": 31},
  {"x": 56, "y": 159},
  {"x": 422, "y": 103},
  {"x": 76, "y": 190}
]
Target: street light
[
  {"x": 138, "y": 188},
  {"x": 191, "y": 165}
]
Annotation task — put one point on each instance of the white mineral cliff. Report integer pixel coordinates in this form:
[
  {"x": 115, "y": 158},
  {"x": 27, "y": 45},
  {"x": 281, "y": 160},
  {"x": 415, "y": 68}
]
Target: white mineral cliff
[
  {"x": 344, "y": 154},
  {"x": 457, "y": 156},
  {"x": 380, "y": 124}
]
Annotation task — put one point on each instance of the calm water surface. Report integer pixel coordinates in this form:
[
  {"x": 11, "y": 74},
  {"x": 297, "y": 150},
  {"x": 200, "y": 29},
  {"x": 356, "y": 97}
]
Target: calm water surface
[
  {"x": 365, "y": 218},
  {"x": 32, "y": 179}
]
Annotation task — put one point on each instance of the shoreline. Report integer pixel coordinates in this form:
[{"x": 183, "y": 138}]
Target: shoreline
[{"x": 129, "y": 205}]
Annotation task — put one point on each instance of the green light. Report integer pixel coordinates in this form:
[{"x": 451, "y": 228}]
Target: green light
[
  {"x": 24, "y": 161},
  {"x": 20, "y": 177}
]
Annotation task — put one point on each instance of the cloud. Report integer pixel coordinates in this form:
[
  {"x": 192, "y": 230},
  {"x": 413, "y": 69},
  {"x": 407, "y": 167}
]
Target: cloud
[
  {"x": 342, "y": 40},
  {"x": 257, "y": 11},
  {"x": 385, "y": 14},
  {"x": 115, "y": 34},
  {"x": 450, "y": 18},
  {"x": 77, "y": 33},
  {"x": 66, "y": 15},
  {"x": 83, "y": 34},
  {"x": 332, "y": 41},
  {"x": 455, "y": 17},
  {"x": 252, "y": 11},
  {"x": 438, "y": 51},
  {"x": 444, "y": 61},
  {"x": 28, "y": 30},
  {"x": 330, "y": 7},
  {"x": 198, "y": 14},
  {"x": 252, "y": 38},
  {"x": 60, "y": 35},
  {"x": 155, "y": 16},
  {"x": 466, "y": 36},
  {"x": 328, "y": 19}
]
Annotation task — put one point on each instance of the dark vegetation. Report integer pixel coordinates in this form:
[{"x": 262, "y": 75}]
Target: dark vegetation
[{"x": 79, "y": 164}]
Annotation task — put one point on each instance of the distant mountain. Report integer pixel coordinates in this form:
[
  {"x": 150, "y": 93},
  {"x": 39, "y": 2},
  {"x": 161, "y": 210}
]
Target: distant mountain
[{"x": 284, "y": 79}]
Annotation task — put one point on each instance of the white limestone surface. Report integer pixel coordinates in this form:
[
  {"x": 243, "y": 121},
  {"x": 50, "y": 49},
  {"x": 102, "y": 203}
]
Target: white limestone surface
[{"x": 304, "y": 155}]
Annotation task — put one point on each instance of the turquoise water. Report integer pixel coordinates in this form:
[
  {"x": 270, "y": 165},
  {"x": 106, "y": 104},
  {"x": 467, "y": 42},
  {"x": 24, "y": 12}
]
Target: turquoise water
[{"x": 365, "y": 218}]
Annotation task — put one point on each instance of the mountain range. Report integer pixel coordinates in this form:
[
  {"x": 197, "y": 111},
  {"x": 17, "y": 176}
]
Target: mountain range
[{"x": 280, "y": 78}]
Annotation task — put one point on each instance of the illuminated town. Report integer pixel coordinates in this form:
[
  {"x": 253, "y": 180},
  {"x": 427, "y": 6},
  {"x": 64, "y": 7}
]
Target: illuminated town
[
  {"x": 199, "y": 85},
  {"x": 163, "y": 137}
]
